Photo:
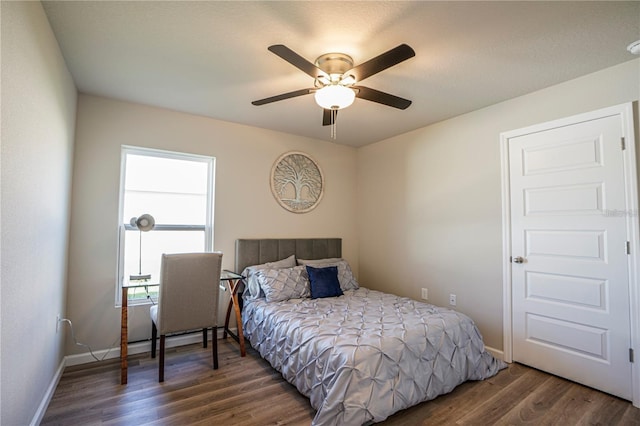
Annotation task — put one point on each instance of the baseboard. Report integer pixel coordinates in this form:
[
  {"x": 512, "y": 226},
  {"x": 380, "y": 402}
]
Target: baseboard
[
  {"x": 495, "y": 352},
  {"x": 137, "y": 348},
  {"x": 44, "y": 404}
]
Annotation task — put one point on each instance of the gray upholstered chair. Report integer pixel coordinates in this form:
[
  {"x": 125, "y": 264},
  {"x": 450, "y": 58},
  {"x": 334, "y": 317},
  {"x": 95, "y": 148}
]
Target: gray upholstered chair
[{"x": 188, "y": 300}]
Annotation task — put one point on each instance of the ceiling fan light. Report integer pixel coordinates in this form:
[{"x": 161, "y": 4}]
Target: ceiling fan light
[{"x": 335, "y": 97}]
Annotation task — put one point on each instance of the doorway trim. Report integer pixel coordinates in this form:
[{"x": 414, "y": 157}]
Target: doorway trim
[{"x": 625, "y": 111}]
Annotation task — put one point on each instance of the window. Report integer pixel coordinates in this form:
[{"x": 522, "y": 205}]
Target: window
[{"x": 177, "y": 190}]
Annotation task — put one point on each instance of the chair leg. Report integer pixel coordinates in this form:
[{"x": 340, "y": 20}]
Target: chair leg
[
  {"x": 204, "y": 337},
  {"x": 214, "y": 347},
  {"x": 154, "y": 337},
  {"x": 161, "y": 363}
]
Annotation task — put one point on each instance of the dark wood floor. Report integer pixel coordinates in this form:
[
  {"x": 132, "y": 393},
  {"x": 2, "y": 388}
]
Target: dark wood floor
[{"x": 247, "y": 391}]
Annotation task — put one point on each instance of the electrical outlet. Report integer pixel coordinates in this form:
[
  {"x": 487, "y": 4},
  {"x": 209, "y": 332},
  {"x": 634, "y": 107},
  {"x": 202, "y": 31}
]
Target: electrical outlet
[
  {"x": 57, "y": 323},
  {"x": 452, "y": 299},
  {"x": 425, "y": 294}
]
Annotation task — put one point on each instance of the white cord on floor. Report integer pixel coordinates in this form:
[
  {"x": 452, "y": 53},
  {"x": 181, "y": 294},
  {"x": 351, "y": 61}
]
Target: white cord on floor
[{"x": 73, "y": 335}]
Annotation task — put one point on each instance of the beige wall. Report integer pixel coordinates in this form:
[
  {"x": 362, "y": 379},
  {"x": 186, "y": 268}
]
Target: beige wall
[
  {"x": 244, "y": 206},
  {"x": 38, "y": 119},
  {"x": 429, "y": 201}
]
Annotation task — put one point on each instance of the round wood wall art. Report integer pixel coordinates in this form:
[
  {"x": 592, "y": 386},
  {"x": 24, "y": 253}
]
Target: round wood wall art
[{"x": 297, "y": 182}]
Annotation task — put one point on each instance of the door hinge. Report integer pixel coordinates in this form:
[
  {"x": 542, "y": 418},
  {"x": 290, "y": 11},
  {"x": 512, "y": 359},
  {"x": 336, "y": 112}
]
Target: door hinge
[
  {"x": 628, "y": 247},
  {"x": 622, "y": 143},
  {"x": 631, "y": 355}
]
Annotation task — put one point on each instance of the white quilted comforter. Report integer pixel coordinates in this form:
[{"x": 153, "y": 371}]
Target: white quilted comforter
[{"x": 366, "y": 355}]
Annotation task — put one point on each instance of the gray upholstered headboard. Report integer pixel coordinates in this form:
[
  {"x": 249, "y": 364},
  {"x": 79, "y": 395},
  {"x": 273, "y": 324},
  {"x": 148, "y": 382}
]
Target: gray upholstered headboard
[{"x": 255, "y": 252}]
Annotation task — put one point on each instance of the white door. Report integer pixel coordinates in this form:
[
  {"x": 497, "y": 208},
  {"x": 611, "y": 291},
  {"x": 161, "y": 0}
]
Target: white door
[{"x": 570, "y": 285}]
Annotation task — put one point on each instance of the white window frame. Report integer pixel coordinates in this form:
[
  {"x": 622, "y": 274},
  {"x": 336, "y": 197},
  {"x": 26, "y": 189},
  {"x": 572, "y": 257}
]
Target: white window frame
[{"x": 122, "y": 226}]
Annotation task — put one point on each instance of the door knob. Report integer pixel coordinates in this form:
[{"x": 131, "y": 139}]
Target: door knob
[{"x": 518, "y": 259}]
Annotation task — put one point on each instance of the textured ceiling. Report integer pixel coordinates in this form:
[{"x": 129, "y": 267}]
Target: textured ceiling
[{"x": 211, "y": 58}]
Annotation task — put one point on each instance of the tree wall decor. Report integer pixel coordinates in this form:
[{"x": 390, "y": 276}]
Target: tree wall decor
[{"x": 297, "y": 182}]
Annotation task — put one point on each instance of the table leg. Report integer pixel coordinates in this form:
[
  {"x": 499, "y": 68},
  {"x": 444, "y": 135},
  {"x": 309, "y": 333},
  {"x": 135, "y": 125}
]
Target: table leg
[
  {"x": 124, "y": 336},
  {"x": 234, "y": 299},
  {"x": 226, "y": 321}
]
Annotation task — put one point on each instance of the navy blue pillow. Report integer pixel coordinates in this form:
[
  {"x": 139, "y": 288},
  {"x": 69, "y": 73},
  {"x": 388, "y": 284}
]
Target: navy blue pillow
[{"x": 324, "y": 282}]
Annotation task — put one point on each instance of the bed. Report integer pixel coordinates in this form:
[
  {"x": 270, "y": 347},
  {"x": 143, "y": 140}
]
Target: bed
[{"x": 361, "y": 356}]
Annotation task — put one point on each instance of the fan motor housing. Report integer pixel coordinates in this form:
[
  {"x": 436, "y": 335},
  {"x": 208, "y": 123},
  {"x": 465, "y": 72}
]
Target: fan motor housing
[{"x": 334, "y": 63}]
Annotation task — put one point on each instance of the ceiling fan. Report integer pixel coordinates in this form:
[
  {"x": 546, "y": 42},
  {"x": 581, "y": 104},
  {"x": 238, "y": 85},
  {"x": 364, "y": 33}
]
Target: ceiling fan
[{"x": 336, "y": 79}]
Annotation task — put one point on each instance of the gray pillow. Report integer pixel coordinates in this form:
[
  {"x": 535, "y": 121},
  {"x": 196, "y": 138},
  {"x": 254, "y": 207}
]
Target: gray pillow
[
  {"x": 345, "y": 275},
  {"x": 253, "y": 289},
  {"x": 284, "y": 284}
]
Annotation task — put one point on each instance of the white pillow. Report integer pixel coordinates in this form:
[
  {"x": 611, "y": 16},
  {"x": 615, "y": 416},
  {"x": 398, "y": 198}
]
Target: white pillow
[
  {"x": 253, "y": 287},
  {"x": 284, "y": 284},
  {"x": 345, "y": 275}
]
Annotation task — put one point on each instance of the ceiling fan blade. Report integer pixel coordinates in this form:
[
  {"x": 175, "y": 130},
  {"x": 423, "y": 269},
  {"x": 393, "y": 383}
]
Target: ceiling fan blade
[
  {"x": 381, "y": 97},
  {"x": 382, "y": 62},
  {"x": 283, "y": 96},
  {"x": 296, "y": 60},
  {"x": 329, "y": 116}
]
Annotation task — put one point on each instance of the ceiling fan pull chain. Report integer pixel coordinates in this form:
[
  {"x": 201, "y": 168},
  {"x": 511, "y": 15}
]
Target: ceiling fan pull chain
[{"x": 334, "y": 113}]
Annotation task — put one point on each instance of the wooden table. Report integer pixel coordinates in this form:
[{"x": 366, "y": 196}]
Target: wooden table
[{"x": 231, "y": 281}]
